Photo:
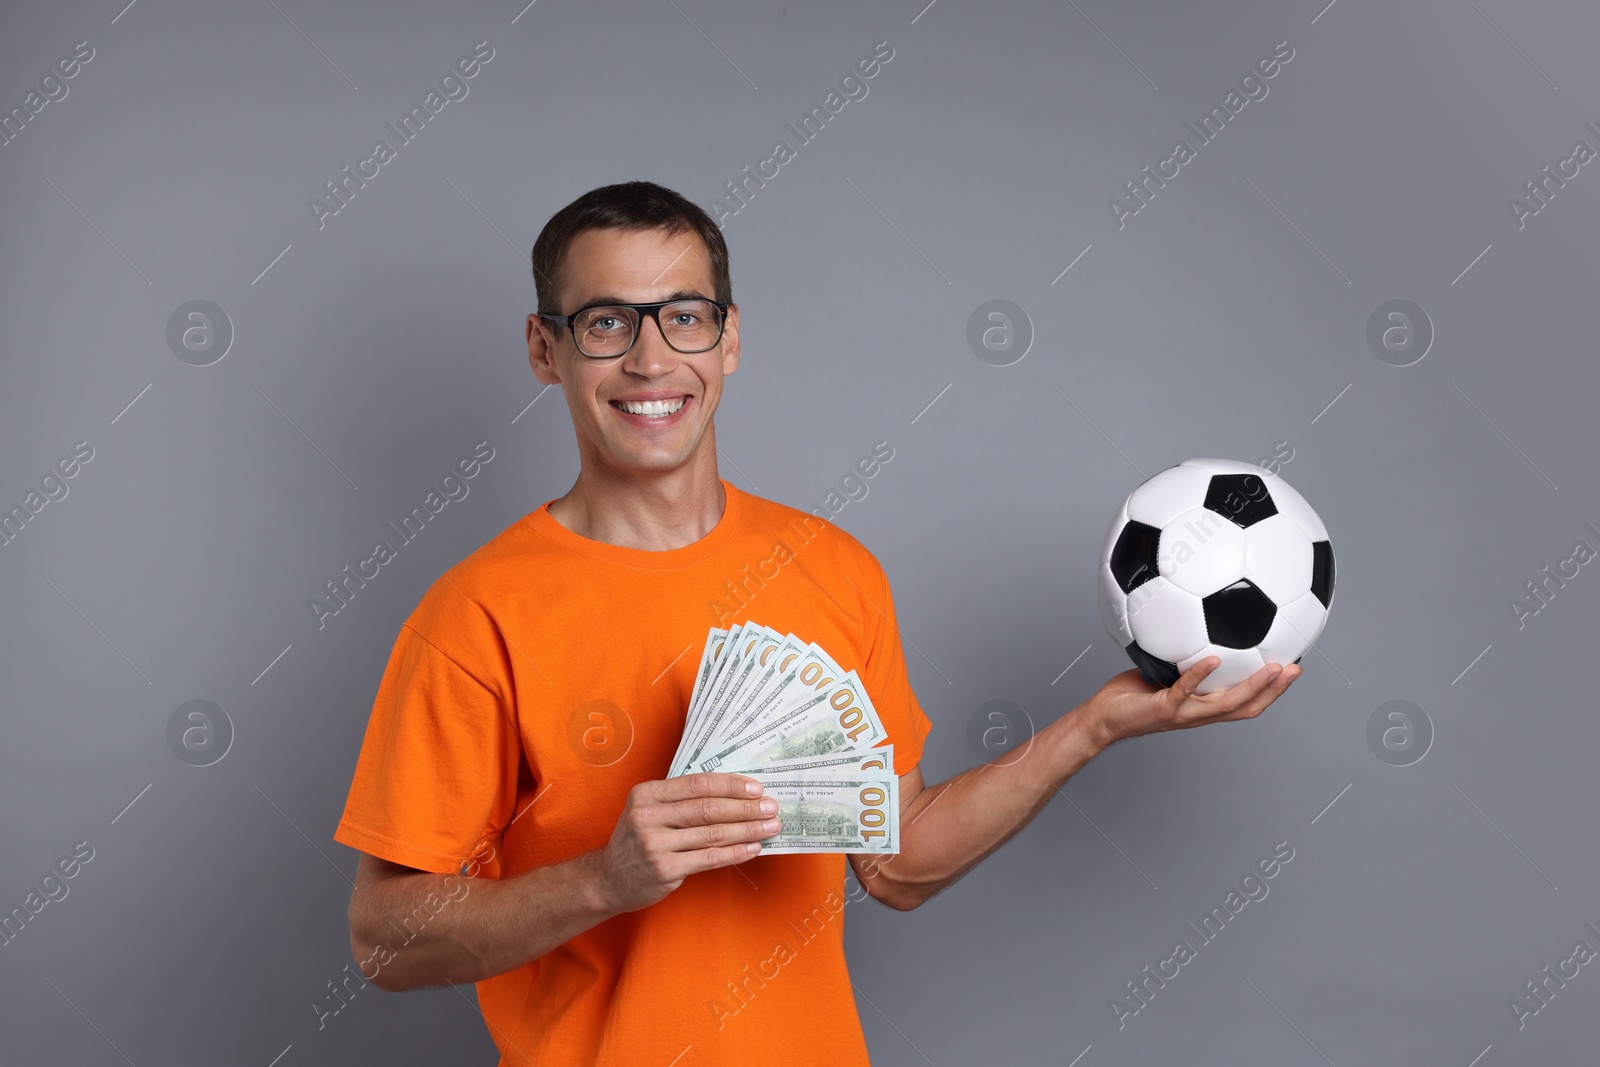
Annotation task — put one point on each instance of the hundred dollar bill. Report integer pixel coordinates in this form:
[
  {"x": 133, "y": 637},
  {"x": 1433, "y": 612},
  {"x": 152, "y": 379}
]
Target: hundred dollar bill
[
  {"x": 730, "y": 643},
  {"x": 762, "y": 666},
  {"x": 878, "y": 760},
  {"x": 694, "y": 726},
  {"x": 814, "y": 671},
  {"x": 740, "y": 651},
  {"x": 835, "y": 719},
  {"x": 715, "y": 640},
  {"x": 767, "y": 690},
  {"x": 724, "y": 643},
  {"x": 827, "y": 813}
]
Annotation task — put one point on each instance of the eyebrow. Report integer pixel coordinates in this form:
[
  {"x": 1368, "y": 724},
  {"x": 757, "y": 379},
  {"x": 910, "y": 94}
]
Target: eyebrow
[{"x": 681, "y": 294}]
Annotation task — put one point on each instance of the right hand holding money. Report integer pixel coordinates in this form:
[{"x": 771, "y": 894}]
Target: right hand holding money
[{"x": 680, "y": 826}]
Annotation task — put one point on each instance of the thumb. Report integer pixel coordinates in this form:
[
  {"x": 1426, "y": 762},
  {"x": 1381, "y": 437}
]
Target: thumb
[{"x": 1190, "y": 680}]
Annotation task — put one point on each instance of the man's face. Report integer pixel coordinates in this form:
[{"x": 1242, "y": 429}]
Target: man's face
[{"x": 635, "y": 267}]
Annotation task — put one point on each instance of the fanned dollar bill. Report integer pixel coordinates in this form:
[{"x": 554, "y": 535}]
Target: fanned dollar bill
[
  {"x": 828, "y": 813},
  {"x": 795, "y": 668},
  {"x": 834, "y": 719},
  {"x": 762, "y": 685},
  {"x": 878, "y": 760},
  {"x": 778, "y": 709},
  {"x": 716, "y": 640},
  {"x": 740, "y": 650}
]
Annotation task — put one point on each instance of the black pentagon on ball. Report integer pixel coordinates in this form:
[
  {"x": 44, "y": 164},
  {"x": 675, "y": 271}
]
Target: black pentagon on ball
[
  {"x": 1157, "y": 672},
  {"x": 1133, "y": 557},
  {"x": 1241, "y": 497},
  {"x": 1239, "y": 615},
  {"x": 1322, "y": 571}
]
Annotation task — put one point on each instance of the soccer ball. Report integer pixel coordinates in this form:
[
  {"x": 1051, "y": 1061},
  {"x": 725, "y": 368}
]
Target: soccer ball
[{"x": 1214, "y": 558}]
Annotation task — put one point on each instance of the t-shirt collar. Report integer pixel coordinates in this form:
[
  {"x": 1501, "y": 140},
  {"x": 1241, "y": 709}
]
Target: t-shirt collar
[{"x": 543, "y": 523}]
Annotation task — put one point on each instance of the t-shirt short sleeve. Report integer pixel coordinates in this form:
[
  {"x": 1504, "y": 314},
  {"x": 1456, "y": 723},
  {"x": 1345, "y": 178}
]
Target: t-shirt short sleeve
[
  {"x": 437, "y": 773},
  {"x": 887, "y": 684}
]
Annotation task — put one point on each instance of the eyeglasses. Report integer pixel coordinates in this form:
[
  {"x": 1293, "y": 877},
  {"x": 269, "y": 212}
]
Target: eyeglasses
[{"x": 606, "y": 331}]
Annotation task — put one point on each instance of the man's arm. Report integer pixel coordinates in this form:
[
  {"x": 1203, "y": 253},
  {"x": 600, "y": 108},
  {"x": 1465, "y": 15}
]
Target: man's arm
[
  {"x": 947, "y": 829},
  {"x": 475, "y": 928},
  {"x": 482, "y": 928}
]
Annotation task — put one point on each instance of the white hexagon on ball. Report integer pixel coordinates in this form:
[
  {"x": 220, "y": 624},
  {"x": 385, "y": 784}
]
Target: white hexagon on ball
[
  {"x": 1277, "y": 558},
  {"x": 1167, "y": 495},
  {"x": 1168, "y": 622},
  {"x": 1201, "y": 552},
  {"x": 1295, "y": 629}
]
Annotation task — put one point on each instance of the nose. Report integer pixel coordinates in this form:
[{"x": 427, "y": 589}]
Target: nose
[{"x": 650, "y": 356}]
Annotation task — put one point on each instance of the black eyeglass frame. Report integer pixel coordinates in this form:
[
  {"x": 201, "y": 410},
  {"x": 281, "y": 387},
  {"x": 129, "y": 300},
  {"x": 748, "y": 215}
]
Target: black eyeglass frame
[{"x": 643, "y": 311}]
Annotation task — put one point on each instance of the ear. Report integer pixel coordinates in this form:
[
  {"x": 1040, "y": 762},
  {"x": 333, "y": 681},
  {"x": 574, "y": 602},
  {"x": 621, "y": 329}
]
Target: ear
[
  {"x": 730, "y": 341},
  {"x": 541, "y": 355}
]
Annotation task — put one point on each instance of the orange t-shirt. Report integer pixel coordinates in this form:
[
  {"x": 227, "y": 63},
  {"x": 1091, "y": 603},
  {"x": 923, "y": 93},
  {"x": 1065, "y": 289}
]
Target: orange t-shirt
[{"x": 542, "y": 678}]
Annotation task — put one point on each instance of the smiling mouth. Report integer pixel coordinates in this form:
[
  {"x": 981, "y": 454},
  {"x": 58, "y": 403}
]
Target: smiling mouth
[{"x": 651, "y": 409}]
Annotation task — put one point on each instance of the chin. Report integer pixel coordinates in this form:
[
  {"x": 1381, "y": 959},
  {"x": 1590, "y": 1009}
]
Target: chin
[{"x": 656, "y": 462}]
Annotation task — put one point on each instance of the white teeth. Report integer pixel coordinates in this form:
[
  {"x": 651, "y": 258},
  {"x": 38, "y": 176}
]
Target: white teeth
[{"x": 651, "y": 408}]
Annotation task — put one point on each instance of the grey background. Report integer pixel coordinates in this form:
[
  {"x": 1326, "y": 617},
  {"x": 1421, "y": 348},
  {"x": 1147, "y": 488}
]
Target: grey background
[{"x": 1226, "y": 317}]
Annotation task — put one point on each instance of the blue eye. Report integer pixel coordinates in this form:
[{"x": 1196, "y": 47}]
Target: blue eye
[{"x": 603, "y": 322}]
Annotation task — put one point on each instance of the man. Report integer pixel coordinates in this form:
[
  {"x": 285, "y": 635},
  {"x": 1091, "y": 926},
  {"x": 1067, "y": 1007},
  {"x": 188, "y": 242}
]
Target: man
[{"x": 533, "y": 701}]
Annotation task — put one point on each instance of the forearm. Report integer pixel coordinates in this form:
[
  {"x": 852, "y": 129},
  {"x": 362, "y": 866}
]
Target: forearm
[
  {"x": 949, "y": 828},
  {"x": 422, "y": 929}
]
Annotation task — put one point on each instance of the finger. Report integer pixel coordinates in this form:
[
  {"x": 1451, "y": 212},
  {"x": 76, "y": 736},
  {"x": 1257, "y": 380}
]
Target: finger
[
  {"x": 709, "y": 859},
  {"x": 1272, "y": 692},
  {"x": 719, "y": 835},
  {"x": 706, "y": 784},
  {"x": 1241, "y": 693},
  {"x": 710, "y": 811},
  {"x": 1257, "y": 703},
  {"x": 1181, "y": 691}
]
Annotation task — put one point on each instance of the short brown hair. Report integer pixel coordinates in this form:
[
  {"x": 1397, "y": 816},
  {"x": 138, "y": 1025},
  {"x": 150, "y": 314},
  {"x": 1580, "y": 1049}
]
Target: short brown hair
[{"x": 625, "y": 206}]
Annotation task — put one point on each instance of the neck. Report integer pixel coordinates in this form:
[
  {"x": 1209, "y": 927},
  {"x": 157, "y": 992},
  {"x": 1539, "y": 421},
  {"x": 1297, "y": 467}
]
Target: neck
[{"x": 651, "y": 510}]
